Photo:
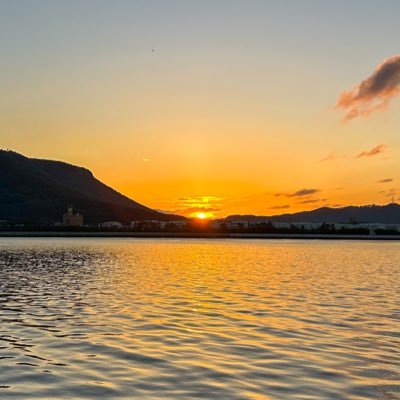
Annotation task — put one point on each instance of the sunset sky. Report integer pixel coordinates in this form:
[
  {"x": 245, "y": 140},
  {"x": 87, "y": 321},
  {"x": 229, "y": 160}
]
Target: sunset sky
[{"x": 219, "y": 106}]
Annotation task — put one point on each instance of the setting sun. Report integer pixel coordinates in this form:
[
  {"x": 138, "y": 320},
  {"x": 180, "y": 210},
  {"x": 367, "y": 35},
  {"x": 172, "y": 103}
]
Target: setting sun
[{"x": 200, "y": 215}]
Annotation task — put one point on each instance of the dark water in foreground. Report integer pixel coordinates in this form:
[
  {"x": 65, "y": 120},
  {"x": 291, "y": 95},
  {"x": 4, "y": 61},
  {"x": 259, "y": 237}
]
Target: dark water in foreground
[{"x": 182, "y": 319}]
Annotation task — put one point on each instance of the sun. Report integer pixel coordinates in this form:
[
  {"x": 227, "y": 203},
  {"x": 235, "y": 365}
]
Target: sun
[{"x": 201, "y": 215}]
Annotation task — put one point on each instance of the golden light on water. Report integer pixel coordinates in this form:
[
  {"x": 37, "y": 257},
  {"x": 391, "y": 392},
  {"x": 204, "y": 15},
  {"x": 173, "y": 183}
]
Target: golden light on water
[{"x": 240, "y": 318}]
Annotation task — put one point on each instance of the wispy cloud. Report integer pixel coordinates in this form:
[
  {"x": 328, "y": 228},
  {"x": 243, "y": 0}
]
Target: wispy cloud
[
  {"x": 374, "y": 93},
  {"x": 282, "y": 207},
  {"x": 195, "y": 209},
  {"x": 199, "y": 200},
  {"x": 193, "y": 204},
  {"x": 332, "y": 157},
  {"x": 373, "y": 152},
  {"x": 311, "y": 201},
  {"x": 389, "y": 193},
  {"x": 387, "y": 180},
  {"x": 302, "y": 196},
  {"x": 303, "y": 192},
  {"x": 329, "y": 157}
]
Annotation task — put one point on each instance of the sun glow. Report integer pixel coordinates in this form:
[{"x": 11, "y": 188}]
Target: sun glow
[{"x": 200, "y": 215}]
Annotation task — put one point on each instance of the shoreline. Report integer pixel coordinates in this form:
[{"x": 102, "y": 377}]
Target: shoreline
[{"x": 193, "y": 235}]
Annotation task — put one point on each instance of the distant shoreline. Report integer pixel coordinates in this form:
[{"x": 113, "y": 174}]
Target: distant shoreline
[{"x": 193, "y": 235}]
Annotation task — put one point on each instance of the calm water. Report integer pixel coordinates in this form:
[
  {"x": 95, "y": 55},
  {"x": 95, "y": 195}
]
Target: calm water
[{"x": 183, "y": 319}]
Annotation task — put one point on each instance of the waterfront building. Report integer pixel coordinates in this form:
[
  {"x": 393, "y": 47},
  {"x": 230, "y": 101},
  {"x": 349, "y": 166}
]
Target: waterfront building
[
  {"x": 237, "y": 224},
  {"x": 149, "y": 224},
  {"x": 71, "y": 219},
  {"x": 280, "y": 225},
  {"x": 218, "y": 224},
  {"x": 112, "y": 224},
  {"x": 154, "y": 225}
]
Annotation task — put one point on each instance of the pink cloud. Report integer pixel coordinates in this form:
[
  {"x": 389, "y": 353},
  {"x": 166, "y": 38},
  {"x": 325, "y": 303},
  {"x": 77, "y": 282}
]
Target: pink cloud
[
  {"x": 373, "y": 152},
  {"x": 374, "y": 93}
]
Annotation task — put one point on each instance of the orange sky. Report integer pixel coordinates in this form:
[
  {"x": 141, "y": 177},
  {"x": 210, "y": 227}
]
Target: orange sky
[{"x": 222, "y": 109}]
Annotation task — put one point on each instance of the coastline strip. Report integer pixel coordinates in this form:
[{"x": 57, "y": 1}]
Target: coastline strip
[{"x": 194, "y": 235}]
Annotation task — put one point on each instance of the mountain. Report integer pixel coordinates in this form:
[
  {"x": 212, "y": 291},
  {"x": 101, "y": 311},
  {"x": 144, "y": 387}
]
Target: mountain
[
  {"x": 387, "y": 214},
  {"x": 35, "y": 191}
]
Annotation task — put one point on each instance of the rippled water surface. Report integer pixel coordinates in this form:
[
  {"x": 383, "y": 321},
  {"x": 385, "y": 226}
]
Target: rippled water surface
[{"x": 191, "y": 319}]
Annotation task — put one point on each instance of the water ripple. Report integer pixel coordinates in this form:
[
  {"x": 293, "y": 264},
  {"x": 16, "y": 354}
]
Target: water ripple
[{"x": 193, "y": 319}]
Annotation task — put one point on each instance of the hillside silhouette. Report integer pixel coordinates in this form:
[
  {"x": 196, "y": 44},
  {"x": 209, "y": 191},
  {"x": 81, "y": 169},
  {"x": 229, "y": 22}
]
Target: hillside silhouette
[
  {"x": 386, "y": 214},
  {"x": 35, "y": 191}
]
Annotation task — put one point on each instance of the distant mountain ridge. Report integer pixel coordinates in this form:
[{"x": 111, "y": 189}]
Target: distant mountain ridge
[
  {"x": 386, "y": 214},
  {"x": 38, "y": 191}
]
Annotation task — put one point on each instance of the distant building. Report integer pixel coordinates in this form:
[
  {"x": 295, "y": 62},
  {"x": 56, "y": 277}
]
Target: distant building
[
  {"x": 148, "y": 225},
  {"x": 112, "y": 224},
  {"x": 307, "y": 226},
  {"x": 218, "y": 224},
  {"x": 155, "y": 225},
  {"x": 71, "y": 219},
  {"x": 281, "y": 225},
  {"x": 178, "y": 224}
]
